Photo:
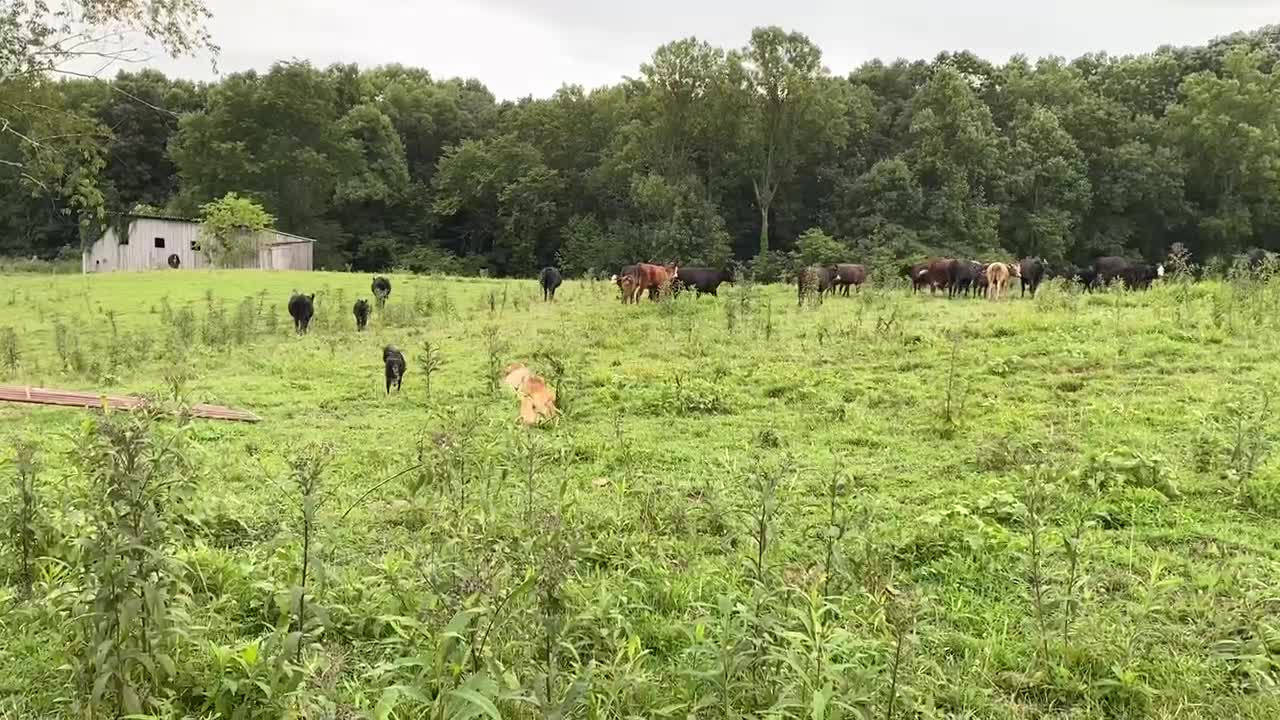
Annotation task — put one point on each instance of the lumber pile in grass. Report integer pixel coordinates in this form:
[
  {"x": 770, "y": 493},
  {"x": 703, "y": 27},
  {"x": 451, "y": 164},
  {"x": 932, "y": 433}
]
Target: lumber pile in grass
[{"x": 75, "y": 398}]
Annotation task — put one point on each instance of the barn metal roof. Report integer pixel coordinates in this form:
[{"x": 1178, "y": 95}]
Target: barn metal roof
[{"x": 174, "y": 218}]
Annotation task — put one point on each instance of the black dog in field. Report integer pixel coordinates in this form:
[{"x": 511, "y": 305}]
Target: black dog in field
[
  {"x": 361, "y": 311},
  {"x": 550, "y": 279},
  {"x": 381, "y": 290},
  {"x": 393, "y": 359},
  {"x": 301, "y": 309}
]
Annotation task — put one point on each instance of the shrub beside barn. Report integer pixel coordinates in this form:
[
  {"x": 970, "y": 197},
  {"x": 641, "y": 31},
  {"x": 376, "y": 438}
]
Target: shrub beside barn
[{"x": 156, "y": 242}]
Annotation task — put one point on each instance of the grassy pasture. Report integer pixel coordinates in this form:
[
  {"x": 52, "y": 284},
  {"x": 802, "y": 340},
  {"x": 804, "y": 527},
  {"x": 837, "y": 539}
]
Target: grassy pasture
[{"x": 887, "y": 505}]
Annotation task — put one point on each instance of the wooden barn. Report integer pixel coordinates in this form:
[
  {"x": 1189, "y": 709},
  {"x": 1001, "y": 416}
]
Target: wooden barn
[{"x": 155, "y": 242}]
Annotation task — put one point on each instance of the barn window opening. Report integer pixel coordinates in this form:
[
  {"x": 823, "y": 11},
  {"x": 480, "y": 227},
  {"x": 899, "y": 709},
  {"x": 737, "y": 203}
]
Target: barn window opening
[
  {"x": 195, "y": 245},
  {"x": 160, "y": 243}
]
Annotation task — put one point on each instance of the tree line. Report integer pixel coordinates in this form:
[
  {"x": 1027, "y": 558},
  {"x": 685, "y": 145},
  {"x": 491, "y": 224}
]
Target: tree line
[{"x": 707, "y": 155}]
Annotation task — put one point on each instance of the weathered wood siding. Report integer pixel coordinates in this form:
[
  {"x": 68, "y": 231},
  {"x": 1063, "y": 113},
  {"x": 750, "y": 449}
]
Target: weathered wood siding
[{"x": 276, "y": 250}]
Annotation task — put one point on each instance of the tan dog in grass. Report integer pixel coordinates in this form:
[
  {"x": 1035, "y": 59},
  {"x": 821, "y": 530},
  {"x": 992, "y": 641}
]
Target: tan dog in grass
[{"x": 537, "y": 399}]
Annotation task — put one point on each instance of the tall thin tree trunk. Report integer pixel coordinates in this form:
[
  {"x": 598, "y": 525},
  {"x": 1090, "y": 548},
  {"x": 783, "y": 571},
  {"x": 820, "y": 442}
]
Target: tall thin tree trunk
[{"x": 764, "y": 228}]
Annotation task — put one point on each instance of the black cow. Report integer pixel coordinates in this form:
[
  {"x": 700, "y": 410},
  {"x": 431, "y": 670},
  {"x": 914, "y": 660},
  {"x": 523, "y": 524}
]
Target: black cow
[
  {"x": 1255, "y": 258},
  {"x": 850, "y": 275},
  {"x": 301, "y": 309},
  {"x": 1110, "y": 267},
  {"x": 980, "y": 282},
  {"x": 1139, "y": 276},
  {"x": 1134, "y": 275},
  {"x": 549, "y": 279},
  {"x": 1032, "y": 274},
  {"x": 815, "y": 278},
  {"x": 381, "y": 288},
  {"x": 393, "y": 362},
  {"x": 1087, "y": 277},
  {"x": 361, "y": 311},
  {"x": 964, "y": 276},
  {"x": 703, "y": 280}
]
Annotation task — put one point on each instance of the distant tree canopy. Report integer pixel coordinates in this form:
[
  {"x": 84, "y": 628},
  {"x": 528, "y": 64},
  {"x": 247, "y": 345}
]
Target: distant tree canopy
[{"x": 708, "y": 154}]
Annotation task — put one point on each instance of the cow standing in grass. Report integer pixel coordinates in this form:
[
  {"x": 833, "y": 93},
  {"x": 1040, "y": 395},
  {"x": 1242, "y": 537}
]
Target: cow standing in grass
[
  {"x": 964, "y": 275},
  {"x": 937, "y": 274},
  {"x": 361, "y": 311},
  {"x": 549, "y": 279},
  {"x": 814, "y": 279},
  {"x": 917, "y": 275},
  {"x": 1032, "y": 273},
  {"x": 302, "y": 308},
  {"x": 393, "y": 366},
  {"x": 646, "y": 276},
  {"x": 998, "y": 276},
  {"x": 381, "y": 288},
  {"x": 849, "y": 275},
  {"x": 1134, "y": 275},
  {"x": 703, "y": 280}
]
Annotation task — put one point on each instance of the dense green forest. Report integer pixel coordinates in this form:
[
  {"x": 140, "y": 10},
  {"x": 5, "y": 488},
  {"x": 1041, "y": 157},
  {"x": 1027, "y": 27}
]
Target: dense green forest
[{"x": 707, "y": 154}]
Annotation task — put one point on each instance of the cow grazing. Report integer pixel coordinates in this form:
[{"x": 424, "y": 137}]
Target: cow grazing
[
  {"x": 703, "y": 280},
  {"x": 302, "y": 308},
  {"x": 1134, "y": 275},
  {"x": 1087, "y": 277},
  {"x": 849, "y": 275},
  {"x": 549, "y": 279},
  {"x": 916, "y": 274},
  {"x": 1110, "y": 268},
  {"x": 1032, "y": 273},
  {"x": 622, "y": 281},
  {"x": 814, "y": 278},
  {"x": 381, "y": 288},
  {"x": 361, "y": 311},
  {"x": 998, "y": 275},
  {"x": 1139, "y": 276},
  {"x": 393, "y": 366}
]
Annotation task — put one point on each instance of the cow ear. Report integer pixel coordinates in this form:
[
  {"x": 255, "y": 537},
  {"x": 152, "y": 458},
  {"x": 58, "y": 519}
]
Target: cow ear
[{"x": 312, "y": 296}]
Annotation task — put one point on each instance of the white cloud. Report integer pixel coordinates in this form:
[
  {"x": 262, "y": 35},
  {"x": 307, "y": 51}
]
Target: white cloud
[{"x": 533, "y": 47}]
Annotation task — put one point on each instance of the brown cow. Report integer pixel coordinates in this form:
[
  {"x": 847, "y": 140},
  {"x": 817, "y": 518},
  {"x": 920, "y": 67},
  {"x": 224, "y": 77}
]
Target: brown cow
[
  {"x": 917, "y": 274},
  {"x": 938, "y": 274},
  {"x": 848, "y": 274},
  {"x": 645, "y": 276},
  {"x": 998, "y": 275}
]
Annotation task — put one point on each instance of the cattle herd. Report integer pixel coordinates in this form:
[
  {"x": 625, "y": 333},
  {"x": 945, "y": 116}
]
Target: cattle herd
[
  {"x": 991, "y": 280},
  {"x": 958, "y": 278}
]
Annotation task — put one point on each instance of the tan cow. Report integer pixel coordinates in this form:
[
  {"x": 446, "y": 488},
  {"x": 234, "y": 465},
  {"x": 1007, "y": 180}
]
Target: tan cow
[{"x": 998, "y": 275}]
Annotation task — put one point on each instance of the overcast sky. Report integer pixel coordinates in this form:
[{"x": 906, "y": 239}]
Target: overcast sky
[{"x": 522, "y": 47}]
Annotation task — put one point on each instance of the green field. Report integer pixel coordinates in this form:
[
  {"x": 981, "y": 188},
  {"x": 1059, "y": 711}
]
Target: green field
[{"x": 883, "y": 506}]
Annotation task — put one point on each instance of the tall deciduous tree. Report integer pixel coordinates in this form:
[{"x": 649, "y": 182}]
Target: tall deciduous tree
[
  {"x": 499, "y": 197},
  {"x": 1228, "y": 128},
  {"x": 274, "y": 137},
  {"x": 957, "y": 157},
  {"x": 792, "y": 111},
  {"x": 1048, "y": 190}
]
